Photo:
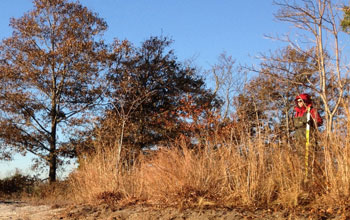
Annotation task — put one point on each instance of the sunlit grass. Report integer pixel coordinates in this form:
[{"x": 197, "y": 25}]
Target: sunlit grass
[{"x": 251, "y": 174}]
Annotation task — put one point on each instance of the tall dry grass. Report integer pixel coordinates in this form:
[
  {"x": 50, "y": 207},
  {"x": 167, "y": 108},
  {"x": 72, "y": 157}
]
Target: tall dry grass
[
  {"x": 337, "y": 167},
  {"x": 253, "y": 173},
  {"x": 100, "y": 177}
]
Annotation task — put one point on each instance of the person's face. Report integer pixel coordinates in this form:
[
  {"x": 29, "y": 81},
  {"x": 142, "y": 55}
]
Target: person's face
[{"x": 300, "y": 103}]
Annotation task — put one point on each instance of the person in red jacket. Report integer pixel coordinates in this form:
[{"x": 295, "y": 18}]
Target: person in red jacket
[
  {"x": 303, "y": 103},
  {"x": 303, "y": 106}
]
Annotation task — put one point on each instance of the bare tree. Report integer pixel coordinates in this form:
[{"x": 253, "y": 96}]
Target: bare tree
[
  {"x": 317, "y": 22},
  {"x": 229, "y": 80}
]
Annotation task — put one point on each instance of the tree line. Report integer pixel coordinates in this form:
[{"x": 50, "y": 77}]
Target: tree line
[{"x": 62, "y": 85}]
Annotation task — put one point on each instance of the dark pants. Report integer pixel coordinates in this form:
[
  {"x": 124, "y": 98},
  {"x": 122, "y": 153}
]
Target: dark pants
[{"x": 311, "y": 157}]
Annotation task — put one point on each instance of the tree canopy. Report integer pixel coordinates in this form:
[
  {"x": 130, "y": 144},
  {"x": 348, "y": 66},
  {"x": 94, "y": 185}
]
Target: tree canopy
[
  {"x": 148, "y": 89},
  {"x": 49, "y": 73},
  {"x": 62, "y": 85}
]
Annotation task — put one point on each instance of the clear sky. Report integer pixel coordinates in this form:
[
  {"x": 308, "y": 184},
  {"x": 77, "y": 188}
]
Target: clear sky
[{"x": 200, "y": 28}]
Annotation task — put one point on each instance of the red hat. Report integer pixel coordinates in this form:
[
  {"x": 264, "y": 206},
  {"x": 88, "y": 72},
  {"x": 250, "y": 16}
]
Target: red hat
[{"x": 305, "y": 97}]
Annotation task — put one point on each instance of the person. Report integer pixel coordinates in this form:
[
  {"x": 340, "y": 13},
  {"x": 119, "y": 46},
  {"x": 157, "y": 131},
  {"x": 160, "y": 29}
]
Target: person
[
  {"x": 303, "y": 106},
  {"x": 303, "y": 103}
]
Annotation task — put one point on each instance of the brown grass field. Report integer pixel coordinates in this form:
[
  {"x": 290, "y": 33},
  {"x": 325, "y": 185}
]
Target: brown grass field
[
  {"x": 250, "y": 176},
  {"x": 254, "y": 178}
]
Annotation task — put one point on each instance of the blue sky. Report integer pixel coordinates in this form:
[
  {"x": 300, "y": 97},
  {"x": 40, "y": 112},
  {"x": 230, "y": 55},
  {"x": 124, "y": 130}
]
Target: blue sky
[{"x": 200, "y": 28}]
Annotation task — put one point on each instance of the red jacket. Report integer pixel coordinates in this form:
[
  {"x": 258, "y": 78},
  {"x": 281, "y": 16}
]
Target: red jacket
[{"x": 299, "y": 112}]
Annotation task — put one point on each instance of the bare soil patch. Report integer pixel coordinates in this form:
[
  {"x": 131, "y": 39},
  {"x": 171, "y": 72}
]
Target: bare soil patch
[
  {"x": 16, "y": 210},
  {"x": 23, "y": 211},
  {"x": 151, "y": 213}
]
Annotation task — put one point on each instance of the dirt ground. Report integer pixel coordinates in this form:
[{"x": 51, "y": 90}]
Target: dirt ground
[
  {"x": 24, "y": 211},
  {"x": 16, "y": 210}
]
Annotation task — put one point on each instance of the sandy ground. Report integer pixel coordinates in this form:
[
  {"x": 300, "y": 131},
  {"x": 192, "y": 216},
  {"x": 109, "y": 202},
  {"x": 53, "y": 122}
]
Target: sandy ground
[
  {"x": 15, "y": 210},
  {"x": 24, "y": 211}
]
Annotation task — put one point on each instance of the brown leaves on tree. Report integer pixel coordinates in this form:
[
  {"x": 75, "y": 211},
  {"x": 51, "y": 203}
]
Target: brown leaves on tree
[
  {"x": 153, "y": 95},
  {"x": 50, "y": 68}
]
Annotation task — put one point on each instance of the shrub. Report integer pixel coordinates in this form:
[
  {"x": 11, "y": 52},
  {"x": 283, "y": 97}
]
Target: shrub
[{"x": 14, "y": 186}]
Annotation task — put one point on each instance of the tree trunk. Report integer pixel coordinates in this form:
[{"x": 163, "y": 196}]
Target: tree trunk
[
  {"x": 287, "y": 126},
  {"x": 53, "y": 165},
  {"x": 120, "y": 144},
  {"x": 52, "y": 155}
]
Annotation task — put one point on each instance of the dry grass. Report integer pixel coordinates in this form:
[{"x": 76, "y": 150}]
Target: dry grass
[
  {"x": 252, "y": 174},
  {"x": 99, "y": 178},
  {"x": 31, "y": 189},
  {"x": 55, "y": 194}
]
